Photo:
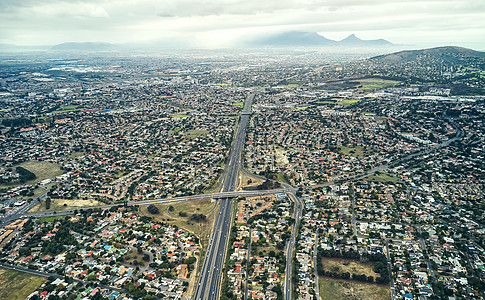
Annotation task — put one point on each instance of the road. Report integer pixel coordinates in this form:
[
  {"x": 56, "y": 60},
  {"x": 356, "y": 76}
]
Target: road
[
  {"x": 248, "y": 259},
  {"x": 389, "y": 269},
  {"x": 23, "y": 211},
  {"x": 298, "y": 211},
  {"x": 315, "y": 264},
  {"x": 211, "y": 275}
]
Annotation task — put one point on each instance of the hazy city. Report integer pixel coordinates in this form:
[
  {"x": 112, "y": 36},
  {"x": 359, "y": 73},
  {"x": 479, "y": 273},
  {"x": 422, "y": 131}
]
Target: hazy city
[{"x": 294, "y": 164}]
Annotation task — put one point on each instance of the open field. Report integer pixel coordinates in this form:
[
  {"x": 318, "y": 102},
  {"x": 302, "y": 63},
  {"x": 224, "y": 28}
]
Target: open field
[
  {"x": 191, "y": 134},
  {"x": 244, "y": 179},
  {"x": 64, "y": 204},
  {"x": 76, "y": 154},
  {"x": 193, "y": 207},
  {"x": 347, "y": 102},
  {"x": 303, "y": 107},
  {"x": 179, "y": 116},
  {"x": 339, "y": 289},
  {"x": 265, "y": 250},
  {"x": 133, "y": 258},
  {"x": 43, "y": 170},
  {"x": 375, "y": 83},
  {"x": 201, "y": 229},
  {"x": 281, "y": 157},
  {"x": 51, "y": 219},
  {"x": 338, "y": 101},
  {"x": 67, "y": 108},
  {"x": 17, "y": 285},
  {"x": 339, "y": 266},
  {"x": 381, "y": 178},
  {"x": 358, "y": 152}
]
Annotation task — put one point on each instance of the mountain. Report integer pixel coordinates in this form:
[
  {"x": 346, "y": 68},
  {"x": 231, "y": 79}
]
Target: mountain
[
  {"x": 447, "y": 55},
  {"x": 354, "y": 41},
  {"x": 87, "y": 46},
  {"x": 295, "y": 38},
  {"x": 313, "y": 39}
]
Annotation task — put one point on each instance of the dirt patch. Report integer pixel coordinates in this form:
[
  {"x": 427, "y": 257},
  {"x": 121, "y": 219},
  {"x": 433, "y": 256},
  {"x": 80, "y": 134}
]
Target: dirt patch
[
  {"x": 339, "y": 266},
  {"x": 64, "y": 204},
  {"x": 338, "y": 289},
  {"x": 245, "y": 181},
  {"x": 281, "y": 158}
]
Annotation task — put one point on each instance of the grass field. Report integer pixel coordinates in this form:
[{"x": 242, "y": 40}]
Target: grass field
[
  {"x": 358, "y": 152},
  {"x": 376, "y": 83},
  {"x": 76, "y": 154},
  {"x": 67, "y": 108},
  {"x": 17, "y": 285},
  {"x": 347, "y": 102},
  {"x": 179, "y": 116},
  {"x": 381, "y": 178},
  {"x": 303, "y": 107},
  {"x": 338, "y": 289},
  {"x": 65, "y": 204},
  {"x": 239, "y": 104},
  {"x": 193, "y": 207},
  {"x": 43, "y": 170}
]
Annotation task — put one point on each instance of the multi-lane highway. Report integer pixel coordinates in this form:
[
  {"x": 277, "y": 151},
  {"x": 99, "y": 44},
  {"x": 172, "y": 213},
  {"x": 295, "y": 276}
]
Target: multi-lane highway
[
  {"x": 211, "y": 275},
  {"x": 298, "y": 211}
]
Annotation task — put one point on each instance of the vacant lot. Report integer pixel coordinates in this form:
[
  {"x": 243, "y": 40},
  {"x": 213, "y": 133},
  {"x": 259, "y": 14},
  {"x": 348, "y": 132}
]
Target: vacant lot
[
  {"x": 239, "y": 104},
  {"x": 17, "y": 285},
  {"x": 193, "y": 207},
  {"x": 74, "y": 155},
  {"x": 43, "y": 170},
  {"x": 133, "y": 258},
  {"x": 191, "y": 134},
  {"x": 247, "y": 181},
  {"x": 338, "y": 289},
  {"x": 381, "y": 178},
  {"x": 281, "y": 157},
  {"x": 358, "y": 152},
  {"x": 65, "y": 204},
  {"x": 201, "y": 229},
  {"x": 340, "y": 266}
]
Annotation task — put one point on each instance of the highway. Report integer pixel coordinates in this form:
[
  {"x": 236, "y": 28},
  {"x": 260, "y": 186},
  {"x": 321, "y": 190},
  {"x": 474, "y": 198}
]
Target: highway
[
  {"x": 211, "y": 274},
  {"x": 298, "y": 211}
]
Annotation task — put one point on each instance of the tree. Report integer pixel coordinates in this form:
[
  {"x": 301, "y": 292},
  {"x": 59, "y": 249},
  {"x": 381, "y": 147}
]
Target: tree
[
  {"x": 47, "y": 203},
  {"x": 153, "y": 209}
]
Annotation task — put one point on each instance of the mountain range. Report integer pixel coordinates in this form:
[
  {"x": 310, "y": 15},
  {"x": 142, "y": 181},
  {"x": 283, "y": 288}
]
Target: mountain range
[{"x": 313, "y": 39}]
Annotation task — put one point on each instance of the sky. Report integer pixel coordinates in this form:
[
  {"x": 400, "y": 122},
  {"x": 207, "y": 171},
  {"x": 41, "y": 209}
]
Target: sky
[{"x": 223, "y": 23}]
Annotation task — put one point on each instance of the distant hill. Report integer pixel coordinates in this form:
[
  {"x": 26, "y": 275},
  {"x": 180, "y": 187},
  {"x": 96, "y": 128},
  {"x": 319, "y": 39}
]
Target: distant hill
[
  {"x": 313, "y": 39},
  {"x": 448, "y": 55},
  {"x": 87, "y": 46},
  {"x": 352, "y": 40}
]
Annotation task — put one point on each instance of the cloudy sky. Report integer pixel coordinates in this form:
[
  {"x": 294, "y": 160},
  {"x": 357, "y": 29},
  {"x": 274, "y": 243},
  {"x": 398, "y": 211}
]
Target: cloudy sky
[{"x": 220, "y": 23}]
